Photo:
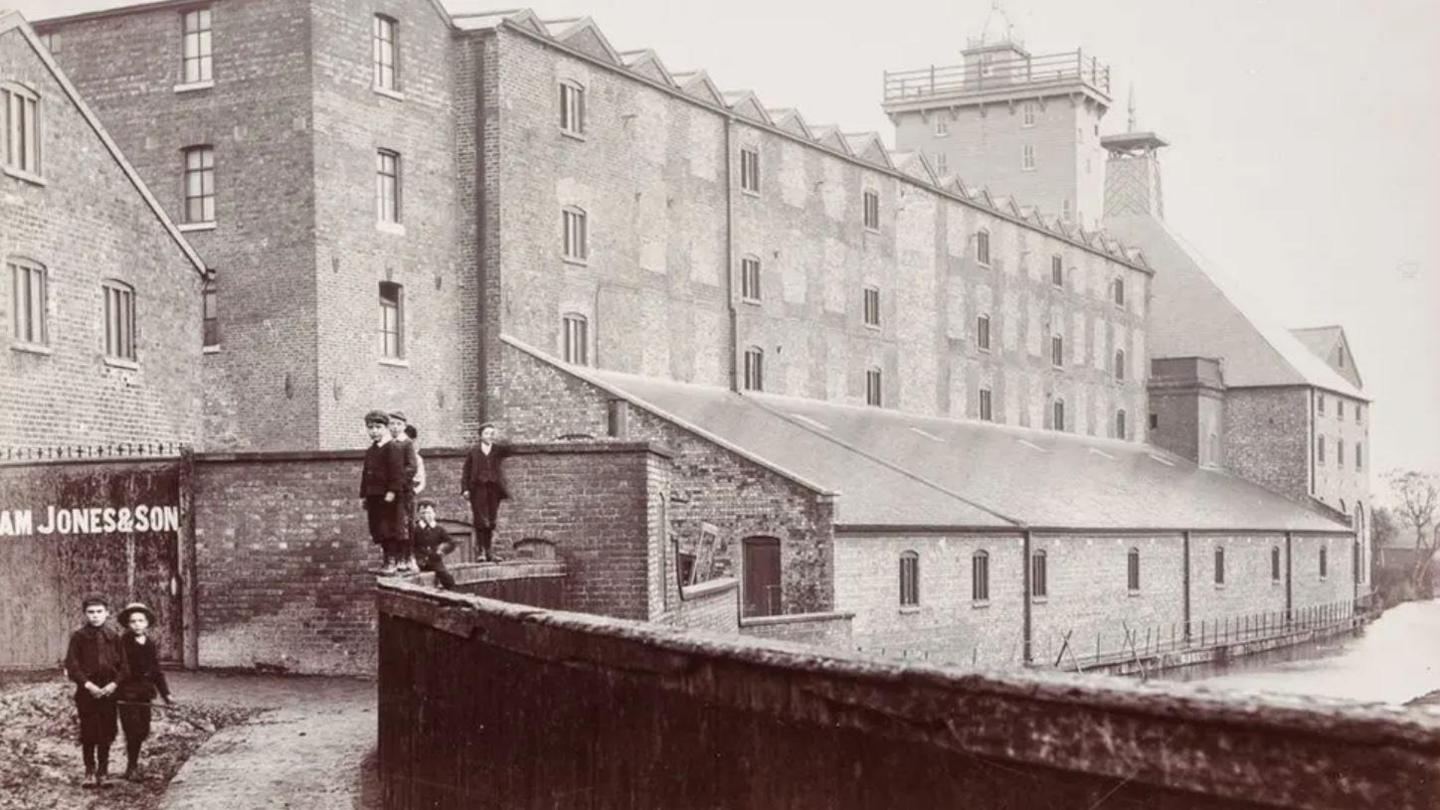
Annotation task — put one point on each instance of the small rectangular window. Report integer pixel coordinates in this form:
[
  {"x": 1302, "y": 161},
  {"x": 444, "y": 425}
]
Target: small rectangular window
[
  {"x": 575, "y": 236},
  {"x": 1038, "y": 584},
  {"x": 873, "y": 390},
  {"x": 1275, "y": 564},
  {"x": 1324, "y": 562},
  {"x": 1058, "y": 415},
  {"x": 1057, "y": 351},
  {"x": 572, "y": 108},
  {"x": 52, "y": 43},
  {"x": 942, "y": 164},
  {"x": 1119, "y": 291},
  {"x": 750, "y": 279},
  {"x": 1121, "y": 431},
  {"x": 872, "y": 210},
  {"x": 909, "y": 579},
  {"x": 392, "y": 321},
  {"x": 1132, "y": 570},
  {"x": 28, "y": 303},
  {"x": 987, "y": 413},
  {"x": 1027, "y": 114},
  {"x": 982, "y": 248},
  {"x": 1359, "y": 461},
  {"x": 199, "y": 185},
  {"x": 196, "y": 56},
  {"x": 1339, "y": 408},
  {"x": 1154, "y": 421},
  {"x": 872, "y": 306},
  {"x": 119, "y": 320},
  {"x": 980, "y": 577},
  {"x": 750, "y": 170},
  {"x": 942, "y": 126},
  {"x": 1320, "y": 449},
  {"x": 209, "y": 315},
  {"x": 1339, "y": 452},
  {"x": 754, "y": 369},
  {"x": 1320, "y": 403},
  {"x": 386, "y": 53},
  {"x": 1057, "y": 271},
  {"x": 1219, "y": 566},
  {"x": 20, "y": 116},
  {"x": 1027, "y": 157},
  {"x": 982, "y": 332},
  {"x": 387, "y": 186},
  {"x": 576, "y": 340}
]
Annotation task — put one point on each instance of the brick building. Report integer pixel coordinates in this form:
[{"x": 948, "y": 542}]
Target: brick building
[{"x": 102, "y": 299}]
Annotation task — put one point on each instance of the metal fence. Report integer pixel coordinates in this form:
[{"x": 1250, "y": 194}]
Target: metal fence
[
  {"x": 1005, "y": 72},
  {"x": 72, "y": 452}
]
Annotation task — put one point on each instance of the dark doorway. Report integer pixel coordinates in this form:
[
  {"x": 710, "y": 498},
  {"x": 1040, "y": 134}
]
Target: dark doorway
[{"x": 761, "y": 585}]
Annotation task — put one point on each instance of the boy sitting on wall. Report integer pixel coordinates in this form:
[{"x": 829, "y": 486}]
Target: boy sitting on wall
[{"x": 432, "y": 543}]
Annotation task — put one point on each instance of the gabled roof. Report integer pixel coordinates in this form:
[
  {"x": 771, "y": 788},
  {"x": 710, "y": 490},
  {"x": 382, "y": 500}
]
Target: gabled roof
[
  {"x": 913, "y": 164},
  {"x": 744, "y": 104},
  {"x": 829, "y": 135},
  {"x": 1330, "y": 344},
  {"x": 868, "y": 146},
  {"x": 1198, "y": 312},
  {"x": 696, "y": 84},
  {"x": 583, "y": 35},
  {"x": 13, "y": 21},
  {"x": 485, "y": 20},
  {"x": 790, "y": 120},
  {"x": 646, "y": 63}
]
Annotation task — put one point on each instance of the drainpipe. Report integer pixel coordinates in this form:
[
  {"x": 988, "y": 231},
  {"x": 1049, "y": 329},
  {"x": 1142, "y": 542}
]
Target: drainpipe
[
  {"x": 1185, "y": 579},
  {"x": 1289, "y": 594},
  {"x": 1026, "y": 586},
  {"x": 730, "y": 259}
]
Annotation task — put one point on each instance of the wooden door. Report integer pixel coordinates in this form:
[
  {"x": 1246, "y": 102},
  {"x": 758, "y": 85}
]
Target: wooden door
[{"x": 761, "y": 583}]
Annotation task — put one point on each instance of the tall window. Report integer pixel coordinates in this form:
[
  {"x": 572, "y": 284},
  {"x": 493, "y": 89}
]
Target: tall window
[
  {"x": 576, "y": 339},
  {"x": 1359, "y": 452},
  {"x": 1324, "y": 562},
  {"x": 750, "y": 170},
  {"x": 1027, "y": 157},
  {"x": 980, "y": 576},
  {"x": 872, "y": 210},
  {"x": 119, "y": 320},
  {"x": 750, "y": 278},
  {"x": 1058, "y": 417},
  {"x": 987, "y": 412},
  {"x": 1132, "y": 570},
  {"x": 1057, "y": 350},
  {"x": 1118, "y": 290},
  {"x": 196, "y": 54},
  {"x": 1274, "y": 563},
  {"x": 21, "y": 120},
  {"x": 387, "y": 186},
  {"x": 873, "y": 386},
  {"x": 1119, "y": 365},
  {"x": 1038, "y": 584},
  {"x": 1027, "y": 114},
  {"x": 392, "y": 320},
  {"x": 909, "y": 579},
  {"x": 1120, "y": 427},
  {"x": 982, "y": 332},
  {"x": 28, "y": 302},
  {"x": 872, "y": 306},
  {"x": 1320, "y": 449},
  {"x": 1219, "y": 565},
  {"x": 1339, "y": 452},
  {"x": 982, "y": 247},
  {"x": 1339, "y": 408},
  {"x": 942, "y": 126},
  {"x": 572, "y": 108},
  {"x": 575, "y": 238},
  {"x": 209, "y": 314},
  {"x": 199, "y": 184},
  {"x": 386, "y": 53},
  {"x": 1057, "y": 271},
  {"x": 1320, "y": 403},
  {"x": 754, "y": 369}
]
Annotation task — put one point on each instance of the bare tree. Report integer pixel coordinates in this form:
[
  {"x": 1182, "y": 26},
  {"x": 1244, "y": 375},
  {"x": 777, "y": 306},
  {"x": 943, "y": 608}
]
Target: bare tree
[{"x": 1417, "y": 498}]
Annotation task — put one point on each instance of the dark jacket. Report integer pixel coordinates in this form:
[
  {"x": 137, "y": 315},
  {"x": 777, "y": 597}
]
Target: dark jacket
[
  {"x": 143, "y": 676},
  {"x": 481, "y": 469},
  {"x": 431, "y": 540},
  {"x": 384, "y": 470},
  {"x": 409, "y": 463},
  {"x": 94, "y": 655}
]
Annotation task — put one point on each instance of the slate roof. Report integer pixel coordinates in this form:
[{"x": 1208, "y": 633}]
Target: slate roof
[
  {"x": 1198, "y": 312},
  {"x": 1320, "y": 340},
  {"x": 892, "y": 469}
]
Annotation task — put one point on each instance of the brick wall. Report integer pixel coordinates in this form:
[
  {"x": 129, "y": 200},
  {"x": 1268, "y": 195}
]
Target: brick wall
[
  {"x": 713, "y": 606},
  {"x": 1248, "y": 588},
  {"x": 947, "y": 624},
  {"x": 84, "y": 224},
  {"x": 286, "y": 565},
  {"x": 1308, "y": 587},
  {"x": 821, "y": 629},
  {"x": 1339, "y": 483},
  {"x": 1267, "y": 437}
]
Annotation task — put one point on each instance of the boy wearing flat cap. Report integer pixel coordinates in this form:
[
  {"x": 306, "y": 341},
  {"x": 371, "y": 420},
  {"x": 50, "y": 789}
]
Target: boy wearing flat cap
[
  {"x": 404, "y": 551},
  {"x": 142, "y": 681},
  {"x": 96, "y": 665},
  {"x": 482, "y": 485},
  {"x": 381, "y": 482}
]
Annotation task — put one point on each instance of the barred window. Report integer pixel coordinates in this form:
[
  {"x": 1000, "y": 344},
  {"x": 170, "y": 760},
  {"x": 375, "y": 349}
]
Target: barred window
[
  {"x": 872, "y": 210},
  {"x": 21, "y": 119},
  {"x": 119, "y": 320},
  {"x": 29, "y": 302},
  {"x": 1132, "y": 570},
  {"x": 196, "y": 56},
  {"x": 1039, "y": 585},
  {"x": 980, "y": 576},
  {"x": 754, "y": 369},
  {"x": 872, "y": 306},
  {"x": 750, "y": 170},
  {"x": 576, "y": 339},
  {"x": 873, "y": 386},
  {"x": 387, "y": 186},
  {"x": 575, "y": 236},
  {"x": 392, "y": 321},
  {"x": 572, "y": 108},
  {"x": 909, "y": 579},
  {"x": 386, "y": 53},
  {"x": 199, "y": 184}
]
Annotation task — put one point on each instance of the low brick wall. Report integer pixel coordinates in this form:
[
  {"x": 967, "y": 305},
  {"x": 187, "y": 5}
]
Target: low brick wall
[
  {"x": 712, "y": 605},
  {"x": 824, "y": 629},
  {"x": 627, "y": 714}
]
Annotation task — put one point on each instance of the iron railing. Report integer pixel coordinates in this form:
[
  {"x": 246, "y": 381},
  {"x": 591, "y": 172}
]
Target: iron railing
[{"x": 1001, "y": 73}]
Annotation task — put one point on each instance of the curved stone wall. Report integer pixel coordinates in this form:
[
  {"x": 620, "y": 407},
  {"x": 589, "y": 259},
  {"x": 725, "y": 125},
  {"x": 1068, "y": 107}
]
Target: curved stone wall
[{"x": 489, "y": 704}]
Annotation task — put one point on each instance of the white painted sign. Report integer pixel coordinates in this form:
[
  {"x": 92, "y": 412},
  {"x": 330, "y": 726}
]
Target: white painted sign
[{"x": 89, "y": 520}]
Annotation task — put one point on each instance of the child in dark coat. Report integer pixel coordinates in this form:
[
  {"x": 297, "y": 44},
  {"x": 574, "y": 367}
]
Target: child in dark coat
[
  {"x": 432, "y": 543},
  {"x": 381, "y": 483},
  {"x": 96, "y": 665},
  {"x": 142, "y": 681}
]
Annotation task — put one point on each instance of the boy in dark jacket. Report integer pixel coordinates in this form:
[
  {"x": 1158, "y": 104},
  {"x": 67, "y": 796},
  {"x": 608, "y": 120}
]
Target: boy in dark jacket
[
  {"x": 381, "y": 482},
  {"x": 432, "y": 543},
  {"x": 143, "y": 679},
  {"x": 482, "y": 485},
  {"x": 96, "y": 665},
  {"x": 409, "y": 470}
]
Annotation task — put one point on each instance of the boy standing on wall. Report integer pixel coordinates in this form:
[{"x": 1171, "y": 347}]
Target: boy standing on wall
[
  {"x": 95, "y": 663},
  {"x": 403, "y": 555},
  {"x": 381, "y": 482},
  {"x": 483, "y": 486}
]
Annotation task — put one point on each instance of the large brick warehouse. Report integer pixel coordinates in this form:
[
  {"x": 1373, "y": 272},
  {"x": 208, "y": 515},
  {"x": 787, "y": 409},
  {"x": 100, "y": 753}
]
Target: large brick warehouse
[{"x": 831, "y": 390}]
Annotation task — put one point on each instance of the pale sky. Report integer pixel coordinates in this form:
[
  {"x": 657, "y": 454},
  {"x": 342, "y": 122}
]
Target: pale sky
[{"x": 1303, "y": 134}]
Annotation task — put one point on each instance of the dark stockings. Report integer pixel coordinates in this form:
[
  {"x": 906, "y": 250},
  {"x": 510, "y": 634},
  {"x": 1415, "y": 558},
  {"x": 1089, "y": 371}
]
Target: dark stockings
[{"x": 97, "y": 757}]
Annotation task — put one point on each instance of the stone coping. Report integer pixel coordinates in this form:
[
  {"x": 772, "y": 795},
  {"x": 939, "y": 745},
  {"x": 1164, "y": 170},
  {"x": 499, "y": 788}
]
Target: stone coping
[{"x": 796, "y": 618}]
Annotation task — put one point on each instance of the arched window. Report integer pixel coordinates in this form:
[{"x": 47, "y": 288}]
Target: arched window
[
  {"x": 20, "y": 116},
  {"x": 987, "y": 405},
  {"x": 980, "y": 576},
  {"x": 874, "y": 389},
  {"x": 575, "y": 339},
  {"x": 982, "y": 332},
  {"x": 1039, "y": 579},
  {"x": 754, "y": 369},
  {"x": 1057, "y": 270},
  {"x": 572, "y": 108},
  {"x": 1119, "y": 291},
  {"x": 119, "y": 315},
  {"x": 1120, "y": 365},
  {"x": 575, "y": 238},
  {"x": 29, "y": 302},
  {"x": 1057, "y": 350},
  {"x": 1120, "y": 424},
  {"x": 1132, "y": 570},
  {"x": 909, "y": 579}
]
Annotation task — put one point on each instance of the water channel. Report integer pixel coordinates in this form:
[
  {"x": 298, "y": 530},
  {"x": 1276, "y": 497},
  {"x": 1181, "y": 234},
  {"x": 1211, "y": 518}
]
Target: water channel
[{"x": 1394, "y": 660}]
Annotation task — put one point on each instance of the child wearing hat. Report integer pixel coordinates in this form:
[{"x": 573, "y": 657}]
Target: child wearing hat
[
  {"x": 484, "y": 487},
  {"x": 432, "y": 543},
  {"x": 400, "y": 436},
  {"x": 95, "y": 663},
  {"x": 141, "y": 681},
  {"x": 381, "y": 482}
]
